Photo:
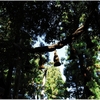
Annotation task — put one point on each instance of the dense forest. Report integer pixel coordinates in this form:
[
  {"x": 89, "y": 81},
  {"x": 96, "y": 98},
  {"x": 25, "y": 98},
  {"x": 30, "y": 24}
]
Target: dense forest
[{"x": 26, "y": 70}]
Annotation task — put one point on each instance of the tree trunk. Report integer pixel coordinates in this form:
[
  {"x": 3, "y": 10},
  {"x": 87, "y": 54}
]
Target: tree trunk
[
  {"x": 2, "y": 84},
  {"x": 86, "y": 77},
  {"x": 8, "y": 83},
  {"x": 17, "y": 79}
]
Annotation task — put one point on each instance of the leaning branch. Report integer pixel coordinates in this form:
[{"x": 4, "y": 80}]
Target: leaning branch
[{"x": 59, "y": 44}]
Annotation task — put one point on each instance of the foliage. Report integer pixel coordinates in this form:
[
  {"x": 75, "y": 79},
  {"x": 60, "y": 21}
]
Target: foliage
[
  {"x": 80, "y": 68},
  {"x": 54, "y": 84},
  {"x": 21, "y": 23},
  {"x": 95, "y": 88}
]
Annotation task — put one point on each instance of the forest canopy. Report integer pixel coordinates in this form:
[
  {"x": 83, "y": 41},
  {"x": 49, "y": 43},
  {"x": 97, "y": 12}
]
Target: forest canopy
[{"x": 72, "y": 23}]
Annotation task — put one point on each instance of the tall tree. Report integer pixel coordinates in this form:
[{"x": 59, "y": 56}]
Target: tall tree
[
  {"x": 83, "y": 56},
  {"x": 54, "y": 84}
]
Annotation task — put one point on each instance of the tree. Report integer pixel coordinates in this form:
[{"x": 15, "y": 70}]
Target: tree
[
  {"x": 19, "y": 34},
  {"x": 54, "y": 84},
  {"x": 22, "y": 22},
  {"x": 83, "y": 56}
]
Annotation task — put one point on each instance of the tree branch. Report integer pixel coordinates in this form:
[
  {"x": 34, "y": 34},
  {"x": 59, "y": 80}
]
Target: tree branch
[{"x": 59, "y": 44}]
